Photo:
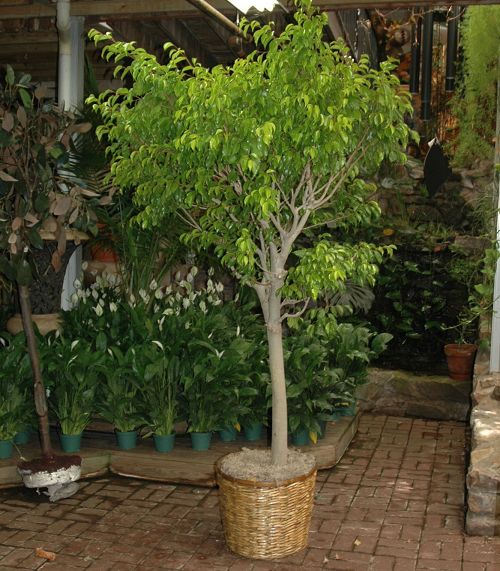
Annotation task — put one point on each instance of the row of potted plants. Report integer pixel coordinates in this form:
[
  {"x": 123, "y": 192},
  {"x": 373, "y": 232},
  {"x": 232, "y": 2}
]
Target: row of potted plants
[{"x": 188, "y": 356}]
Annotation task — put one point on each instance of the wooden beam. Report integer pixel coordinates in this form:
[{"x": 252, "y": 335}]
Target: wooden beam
[
  {"x": 18, "y": 38},
  {"x": 182, "y": 8},
  {"x": 114, "y": 8}
]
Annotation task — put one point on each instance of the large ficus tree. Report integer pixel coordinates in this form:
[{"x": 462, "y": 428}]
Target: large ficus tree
[{"x": 258, "y": 158}]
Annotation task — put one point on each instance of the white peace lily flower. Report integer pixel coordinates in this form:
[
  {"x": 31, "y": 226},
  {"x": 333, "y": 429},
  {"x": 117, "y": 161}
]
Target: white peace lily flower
[
  {"x": 210, "y": 285},
  {"x": 98, "y": 310},
  {"x": 131, "y": 298},
  {"x": 160, "y": 323},
  {"x": 158, "y": 344},
  {"x": 113, "y": 307},
  {"x": 190, "y": 278},
  {"x": 142, "y": 293},
  {"x": 168, "y": 311},
  {"x": 218, "y": 302},
  {"x": 75, "y": 343},
  {"x": 211, "y": 272},
  {"x": 188, "y": 325},
  {"x": 74, "y": 298},
  {"x": 194, "y": 271},
  {"x": 95, "y": 295},
  {"x": 211, "y": 334},
  {"x": 237, "y": 297},
  {"x": 192, "y": 296},
  {"x": 102, "y": 302},
  {"x": 47, "y": 393},
  {"x": 177, "y": 276},
  {"x": 177, "y": 312},
  {"x": 186, "y": 303},
  {"x": 219, "y": 287},
  {"x": 153, "y": 285},
  {"x": 238, "y": 331},
  {"x": 178, "y": 296},
  {"x": 183, "y": 283},
  {"x": 156, "y": 308},
  {"x": 85, "y": 265},
  {"x": 168, "y": 290},
  {"x": 77, "y": 284},
  {"x": 219, "y": 353},
  {"x": 203, "y": 306},
  {"x": 159, "y": 294}
]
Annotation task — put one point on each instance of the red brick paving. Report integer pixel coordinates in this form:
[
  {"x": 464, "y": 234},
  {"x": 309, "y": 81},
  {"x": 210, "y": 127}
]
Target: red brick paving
[{"x": 394, "y": 503}]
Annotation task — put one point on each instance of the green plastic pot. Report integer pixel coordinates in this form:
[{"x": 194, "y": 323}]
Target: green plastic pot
[
  {"x": 347, "y": 410},
  {"x": 5, "y": 449},
  {"x": 126, "y": 440},
  {"x": 228, "y": 434},
  {"x": 201, "y": 440},
  {"x": 322, "y": 429},
  {"x": 301, "y": 438},
  {"x": 253, "y": 431},
  {"x": 71, "y": 442},
  {"x": 23, "y": 436},
  {"x": 164, "y": 442}
]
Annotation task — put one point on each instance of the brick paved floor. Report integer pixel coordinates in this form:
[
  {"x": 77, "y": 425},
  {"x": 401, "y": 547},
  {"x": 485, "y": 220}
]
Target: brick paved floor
[{"x": 394, "y": 503}]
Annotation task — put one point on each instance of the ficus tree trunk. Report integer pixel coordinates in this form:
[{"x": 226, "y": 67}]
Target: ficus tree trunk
[
  {"x": 38, "y": 388},
  {"x": 277, "y": 368}
]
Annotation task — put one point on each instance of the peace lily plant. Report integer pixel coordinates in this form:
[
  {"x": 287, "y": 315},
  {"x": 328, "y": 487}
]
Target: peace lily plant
[{"x": 265, "y": 160}]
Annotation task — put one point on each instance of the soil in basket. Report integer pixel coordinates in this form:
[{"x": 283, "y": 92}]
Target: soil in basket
[
  {"x": 49, "y": 464},
  {"x": 256, "y": 465}
]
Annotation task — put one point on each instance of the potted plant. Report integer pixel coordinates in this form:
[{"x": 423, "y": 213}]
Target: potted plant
[
  {"x": 308, "y": 387},
  {"x": 253, "y": 157},
  {"x": 14, "y": 392},
  {"x": 74, "y": 373},
  {"x": 120, "y": 399},
  {"x": 161, "y": 384},
  {"x": 39, "y": 198}
]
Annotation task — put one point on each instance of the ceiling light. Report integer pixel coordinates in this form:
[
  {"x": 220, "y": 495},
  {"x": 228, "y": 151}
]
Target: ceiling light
[{"x": 245, "y": 5}]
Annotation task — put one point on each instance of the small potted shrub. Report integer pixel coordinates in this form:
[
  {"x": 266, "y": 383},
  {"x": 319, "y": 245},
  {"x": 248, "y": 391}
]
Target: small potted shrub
[
  {"x": 309, "y": 384},
  {"x": 75, "y": 372},
  {"x": 161, "y": 375},
  {"x": 120, "y": 396}
]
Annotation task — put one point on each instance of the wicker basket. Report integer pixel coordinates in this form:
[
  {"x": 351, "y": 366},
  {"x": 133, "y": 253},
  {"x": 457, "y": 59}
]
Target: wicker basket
[{"x": 266, "y": 520}]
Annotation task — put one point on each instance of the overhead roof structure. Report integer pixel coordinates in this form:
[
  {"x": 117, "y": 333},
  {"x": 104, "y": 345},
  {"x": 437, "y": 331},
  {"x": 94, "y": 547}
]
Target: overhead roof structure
[{"x": 29, "y": 40}]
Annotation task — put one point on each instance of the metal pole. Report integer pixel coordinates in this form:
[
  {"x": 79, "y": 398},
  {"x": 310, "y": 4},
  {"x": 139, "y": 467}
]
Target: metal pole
[
  {"x": 495, "y": 319},
  {"x": 451, "y": 49},
  {"x": 425, "y": 112},
  {"x": 416, "y": 33}
]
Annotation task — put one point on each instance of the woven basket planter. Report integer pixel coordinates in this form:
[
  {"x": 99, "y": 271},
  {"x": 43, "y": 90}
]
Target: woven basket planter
[{"x": 266, "y": 520}]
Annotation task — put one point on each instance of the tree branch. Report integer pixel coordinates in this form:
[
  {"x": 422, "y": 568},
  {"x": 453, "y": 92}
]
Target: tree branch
[{"x": 297, "y": 313}]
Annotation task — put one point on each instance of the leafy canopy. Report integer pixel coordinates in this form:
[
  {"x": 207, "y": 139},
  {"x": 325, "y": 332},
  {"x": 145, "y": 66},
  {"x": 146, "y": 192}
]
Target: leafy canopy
[{"x": 254, "y": 155}]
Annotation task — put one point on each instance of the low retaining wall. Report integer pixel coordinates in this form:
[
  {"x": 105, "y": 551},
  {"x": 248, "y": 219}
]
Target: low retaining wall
[
  {"x": 483, "y": 476},
  {"x": 402, "y": 393}
]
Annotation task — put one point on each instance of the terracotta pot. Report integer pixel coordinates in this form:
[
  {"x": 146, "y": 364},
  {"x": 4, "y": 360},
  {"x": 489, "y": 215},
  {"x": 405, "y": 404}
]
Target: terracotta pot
[
  {"x": 460, "y": 358},
  {"x": 45, "y": 323}
]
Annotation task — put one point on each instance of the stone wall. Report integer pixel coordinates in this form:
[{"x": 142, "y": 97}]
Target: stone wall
[
  {"x": 400, "y": 393},
  {"x": 483, "y": 477}
]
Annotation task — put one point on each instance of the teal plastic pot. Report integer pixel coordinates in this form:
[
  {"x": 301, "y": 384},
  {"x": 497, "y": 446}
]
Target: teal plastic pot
[
  {"x": 201, "y": 440},
  {"x": 347, "y": 410},
  {"x": 228, "y": 434},
  {"x": 23, "y": 436},
  {"x": 253, "y": 431},
  {"x": 322, "y": 429},
  {"x": 5, "y": 449},
  {"x": 164, "y": 442},
  {"x": 71, "y": 442},
  {"x": 301, "y": 438},
  {"x": 126, "y": 440}
]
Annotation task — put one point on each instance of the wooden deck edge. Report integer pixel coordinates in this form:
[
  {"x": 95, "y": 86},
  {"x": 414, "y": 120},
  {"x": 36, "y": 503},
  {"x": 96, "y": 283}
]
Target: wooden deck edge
[{"x": 100, "y": 461}]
